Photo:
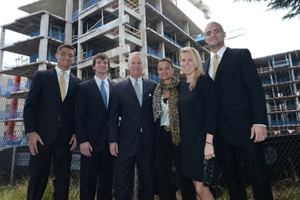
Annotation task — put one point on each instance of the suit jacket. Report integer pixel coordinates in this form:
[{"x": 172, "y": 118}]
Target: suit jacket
[
  {"x": 44, "y": 112},
  {"x": 133, "y": 116},
  {"x": 241, "y": 100},
  {"x": 91, "y": 115}
]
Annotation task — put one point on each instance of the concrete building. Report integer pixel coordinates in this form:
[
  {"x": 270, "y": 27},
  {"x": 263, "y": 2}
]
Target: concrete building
[
  {"x": 280, "y": 76},
  {"x": 157, "y": 28}
]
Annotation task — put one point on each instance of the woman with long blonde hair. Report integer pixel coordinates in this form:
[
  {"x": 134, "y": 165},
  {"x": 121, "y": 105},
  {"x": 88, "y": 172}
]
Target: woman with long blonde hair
[{"x": 198, "y": 119}]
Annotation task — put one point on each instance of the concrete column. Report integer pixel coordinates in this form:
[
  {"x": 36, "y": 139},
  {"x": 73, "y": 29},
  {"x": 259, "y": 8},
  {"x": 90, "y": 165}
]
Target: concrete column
[
  {"x": 187, "y": 44},
  {"x": 80, "y": 6},
  {"x": 160, "y": 27},
  {"x": 43, "y": 46},
  {"x": 121, "y": 26},
  {"x": 42, "y": 66},
  {"x": 123, "y": 66},
  {"x": 144, "y": 35},
  {"x": 79, "y": 73},
  {"x": 68, "y": 25},
  {"x": 158, "y": 5},
  {"x": 161, "y": 49},
  {"x": 44, "y": 25},
  {"x": 79, "y": 46},
  {"x": 202, "y": 56},
  {"x": 186, "y": 27},
  {"x": 2, "y": 39}
]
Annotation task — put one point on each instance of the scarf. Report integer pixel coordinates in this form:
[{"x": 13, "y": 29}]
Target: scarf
[{"x": 173, "y": 109}]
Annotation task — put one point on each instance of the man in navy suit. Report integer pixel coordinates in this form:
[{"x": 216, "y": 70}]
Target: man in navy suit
[
  {"x": 91, "y": 122},
  {"x": 242, "y": 116},
  {"x": 49, "y": 124},
  {"x": 133, "y": 140}
]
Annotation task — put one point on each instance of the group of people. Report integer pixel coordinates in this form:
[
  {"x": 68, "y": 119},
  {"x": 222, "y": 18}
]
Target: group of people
[{"x": 218, "y": 111}]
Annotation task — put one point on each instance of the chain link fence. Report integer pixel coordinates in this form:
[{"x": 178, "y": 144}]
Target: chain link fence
[{"x": 282, "y": 145}]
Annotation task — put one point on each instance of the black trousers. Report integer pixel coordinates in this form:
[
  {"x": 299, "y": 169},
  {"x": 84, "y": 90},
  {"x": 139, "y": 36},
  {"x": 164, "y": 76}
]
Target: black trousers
[
  {"x": 39, "y": 168},
  {"x": 97, "y": 171},
  {"x": 167, "y": 152},
  {"x": 255, "y": 163}
]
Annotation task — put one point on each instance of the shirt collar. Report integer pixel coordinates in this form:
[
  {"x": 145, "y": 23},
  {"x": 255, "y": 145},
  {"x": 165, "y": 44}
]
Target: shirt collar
[
  {"x": 98, "y": 80},
  {"x": 133, "y": 79},
  {"x": 58, "y": 71},
  {"x": 220, "y": 53}
]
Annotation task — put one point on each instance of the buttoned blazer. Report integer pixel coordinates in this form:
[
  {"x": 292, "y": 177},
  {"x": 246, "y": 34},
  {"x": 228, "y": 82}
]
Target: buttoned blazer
[
  {"x": 240, "y": 97},
  {"x": 133, "y": 116},
  {"x": 44, "y": 111},
  {"x": 91, "y": 115}
]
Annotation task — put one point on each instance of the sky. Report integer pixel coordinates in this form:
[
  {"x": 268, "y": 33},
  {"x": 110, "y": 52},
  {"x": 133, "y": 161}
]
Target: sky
[{"x": 266, "y": 32}]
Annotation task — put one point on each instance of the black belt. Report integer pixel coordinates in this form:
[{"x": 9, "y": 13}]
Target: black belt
[{"x": 166, "y": 128}]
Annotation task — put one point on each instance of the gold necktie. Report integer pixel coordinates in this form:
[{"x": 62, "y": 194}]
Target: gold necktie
[
  {"x": 62, "y": 85},
  {"x": 215, "y": 65}
]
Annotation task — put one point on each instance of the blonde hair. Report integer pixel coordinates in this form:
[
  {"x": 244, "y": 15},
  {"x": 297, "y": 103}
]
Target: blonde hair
[{"x": 198, "y": 64}]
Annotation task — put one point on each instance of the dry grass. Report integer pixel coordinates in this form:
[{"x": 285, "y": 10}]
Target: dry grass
[{"x": 284, "y": 190}]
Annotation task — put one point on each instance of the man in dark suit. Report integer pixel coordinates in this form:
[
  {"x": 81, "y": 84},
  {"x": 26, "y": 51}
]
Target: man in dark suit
[
  {"x": 91, "y": 123},
  {"x": 134, "y": 140},
  {"x": 48, "y": 119},
  {"x": 242, "y": 116}
]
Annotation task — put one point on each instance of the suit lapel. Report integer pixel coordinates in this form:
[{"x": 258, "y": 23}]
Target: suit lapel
[
  {"x": 54, "y": 81},
  {"x": 95, "y": 90},
  {"x": 145, "y": 90},
  {"x": 110, "y": 90},
  {"x": 225, "y": 57},
  {"x": 72, "y": 84},
  {"x": 129, "y": 87}
]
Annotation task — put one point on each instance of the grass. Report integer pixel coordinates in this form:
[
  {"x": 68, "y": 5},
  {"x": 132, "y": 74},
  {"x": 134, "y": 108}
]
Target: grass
[
  {"x": 283, "y": 190},
  {"x": 18, "y": 192}
]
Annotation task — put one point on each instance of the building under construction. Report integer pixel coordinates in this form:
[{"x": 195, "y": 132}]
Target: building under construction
[
  {"x": 157, "y": 28},
  {"x": 280, "y": 76}
]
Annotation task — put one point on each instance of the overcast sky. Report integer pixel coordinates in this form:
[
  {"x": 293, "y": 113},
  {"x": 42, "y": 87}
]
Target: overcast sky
[{"x": 266, "y": 33}]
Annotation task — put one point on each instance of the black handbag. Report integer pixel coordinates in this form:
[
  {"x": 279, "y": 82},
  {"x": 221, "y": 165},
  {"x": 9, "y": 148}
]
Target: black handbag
[{"x": 209, "y": 171}]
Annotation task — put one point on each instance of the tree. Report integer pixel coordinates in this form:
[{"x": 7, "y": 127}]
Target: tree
[{"x": 292, "y": 5}]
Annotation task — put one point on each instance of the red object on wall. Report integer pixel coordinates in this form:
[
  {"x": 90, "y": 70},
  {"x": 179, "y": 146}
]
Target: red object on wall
[{"x": 13, "y": 111}]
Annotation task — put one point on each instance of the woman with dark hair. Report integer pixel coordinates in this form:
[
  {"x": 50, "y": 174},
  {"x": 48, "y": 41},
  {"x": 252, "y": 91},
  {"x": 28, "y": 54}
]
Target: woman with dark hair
[
  {"x": 197, "y": 105},
  {"x": 165, "y": 113}
]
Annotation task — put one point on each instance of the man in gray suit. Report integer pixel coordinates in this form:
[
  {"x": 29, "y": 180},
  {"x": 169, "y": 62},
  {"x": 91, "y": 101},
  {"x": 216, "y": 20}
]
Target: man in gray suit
[{"x": 133, "y": 140}]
